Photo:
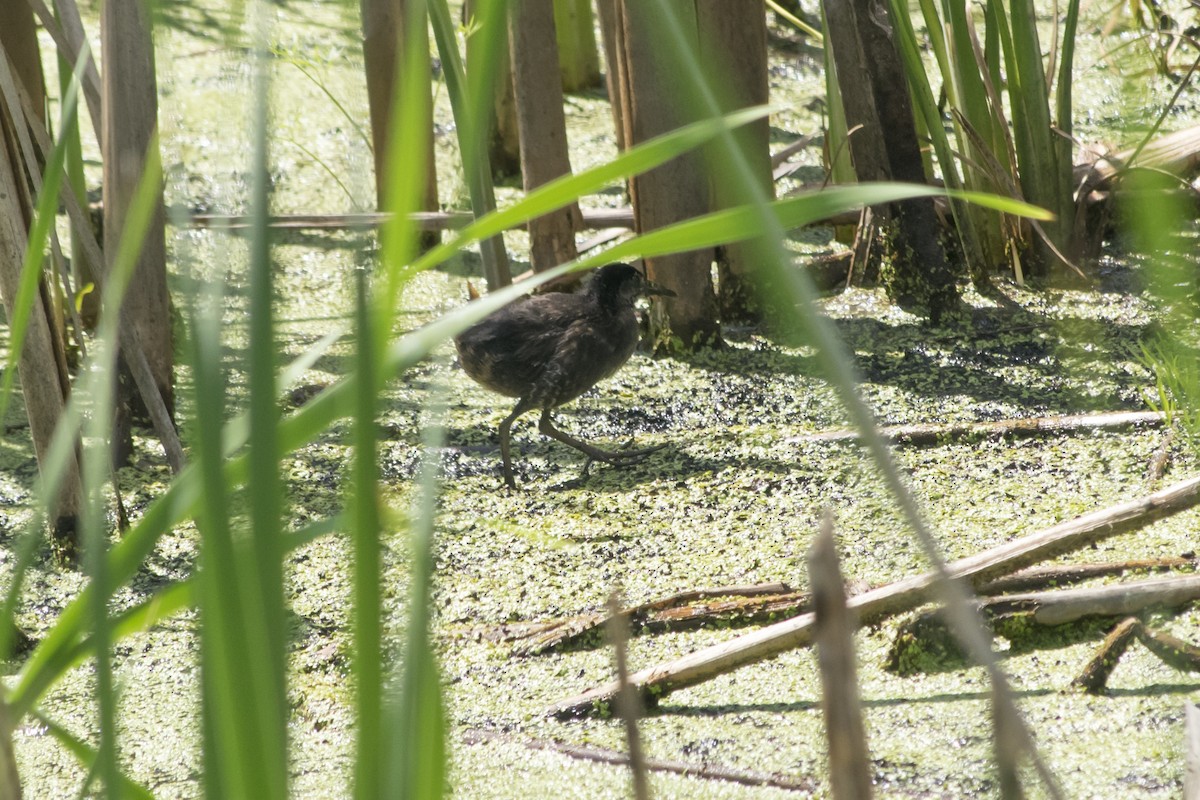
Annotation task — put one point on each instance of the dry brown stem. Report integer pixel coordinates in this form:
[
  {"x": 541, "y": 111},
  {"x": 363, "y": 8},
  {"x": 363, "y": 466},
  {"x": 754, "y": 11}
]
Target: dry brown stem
[
  {"x": 629, "y": 705},
  {"x": 1191, "y": 775},
  {"x": 1170, "y": 649},
  {"x": 687, "y": 609},
  {"x": 849, "y": 760}
]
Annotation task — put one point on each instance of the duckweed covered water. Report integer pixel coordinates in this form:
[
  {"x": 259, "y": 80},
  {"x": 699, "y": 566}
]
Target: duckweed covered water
[{"x": 733, "y": 498}]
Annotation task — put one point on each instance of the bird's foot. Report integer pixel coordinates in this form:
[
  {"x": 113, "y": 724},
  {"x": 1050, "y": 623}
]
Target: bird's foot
[{"x": 510, "y": 482}]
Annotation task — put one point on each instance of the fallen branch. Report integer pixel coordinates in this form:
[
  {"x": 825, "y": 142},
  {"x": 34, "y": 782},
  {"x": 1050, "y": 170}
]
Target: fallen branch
[
  {"x": 924, "y": 639},
  {"x": 770, "y": 602},
  {"x": 780, "y": 168},
  {"x": 784, "y": 154},
  {"x": 1069, "y": 605},
  {"x": 675, "y": 612},
  {"x": 605, "y": 236},
  {"x": 1171, "y": 650},
  {"x": 1177, "y": 153},
  {"x": 602, "y": 755},
  {"x": 926, "y": 434},
  {"x": 593, "y": 218},
  {"x": 1046, "y": 577},
  {"x": 876, "y": 604},
  {"x": 1096, "y": 671}
]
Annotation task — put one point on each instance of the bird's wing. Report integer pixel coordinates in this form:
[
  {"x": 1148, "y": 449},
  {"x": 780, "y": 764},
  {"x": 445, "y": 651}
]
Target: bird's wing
[
  {"x": 508, "y": 351},
  {"x": 586, "y": 354}
]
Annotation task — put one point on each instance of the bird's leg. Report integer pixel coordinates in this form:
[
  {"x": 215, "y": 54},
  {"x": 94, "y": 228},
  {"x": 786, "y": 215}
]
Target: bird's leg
[
  {"x": 505, "y": 435},
  {"x": 618, "y": 457}
]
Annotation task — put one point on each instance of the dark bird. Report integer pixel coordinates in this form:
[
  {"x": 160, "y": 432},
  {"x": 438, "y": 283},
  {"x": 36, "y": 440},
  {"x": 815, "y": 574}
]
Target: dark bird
[{"x": 549, "y": 349}]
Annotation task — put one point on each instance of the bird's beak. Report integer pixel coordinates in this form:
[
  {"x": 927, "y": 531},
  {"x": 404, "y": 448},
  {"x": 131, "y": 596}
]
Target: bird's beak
[{"x": 649, "y": 287}]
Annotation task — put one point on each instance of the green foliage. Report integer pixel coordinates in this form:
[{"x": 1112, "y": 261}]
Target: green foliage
[
  {"x": 1159, "y": 224},
  {"x": 1025, "y": 151}
]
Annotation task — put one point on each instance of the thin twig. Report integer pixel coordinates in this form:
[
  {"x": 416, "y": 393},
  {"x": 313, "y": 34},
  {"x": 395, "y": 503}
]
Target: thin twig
[
  {"x": 594, "y": 218},
  {"x": 932, "y": 434},
  {"x": 602, "y": 755}
]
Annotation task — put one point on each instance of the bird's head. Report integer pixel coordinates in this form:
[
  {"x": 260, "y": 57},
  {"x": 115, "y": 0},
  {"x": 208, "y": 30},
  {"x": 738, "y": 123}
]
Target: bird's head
[{"x": 622, "y": 284}]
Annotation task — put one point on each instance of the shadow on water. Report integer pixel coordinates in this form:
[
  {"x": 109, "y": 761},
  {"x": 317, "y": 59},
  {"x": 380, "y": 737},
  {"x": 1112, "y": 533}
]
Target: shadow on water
[
  {"x": 975, "y": 356},
  {"x": 227, "y": 23}
]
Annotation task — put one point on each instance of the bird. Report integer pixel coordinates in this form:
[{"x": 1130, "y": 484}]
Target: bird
[{"x": 548, "y": 349}]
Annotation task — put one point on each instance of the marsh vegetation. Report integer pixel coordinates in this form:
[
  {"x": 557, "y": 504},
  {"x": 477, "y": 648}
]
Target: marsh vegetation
[{"x": 335, "y": 596}]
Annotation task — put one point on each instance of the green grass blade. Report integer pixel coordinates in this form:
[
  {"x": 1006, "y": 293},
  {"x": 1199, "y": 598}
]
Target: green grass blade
[
  {"x": 490, "y": 30},
  {"x": 231, "y": 746},
  {"x": 1063, "y": 116},
  {"x": 257, "y": 566},
  {"x": 562, "y": 191},
  {"x": 417, "y": 766},
  {"x": 746, "y": 222},
  {"x": 1030, "y": 102},
  {"x": 469, "y": 103},
  {"x": 370, "y": 756},
  {"x": 100, "y": 387},
  {"x": 841, "y": 168},
  {"x": 404, "y": 184},
  {"x": 374, "y": 327},
  {"x": 925, "y": 106},
  {"x": 924, "y": 101}
]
